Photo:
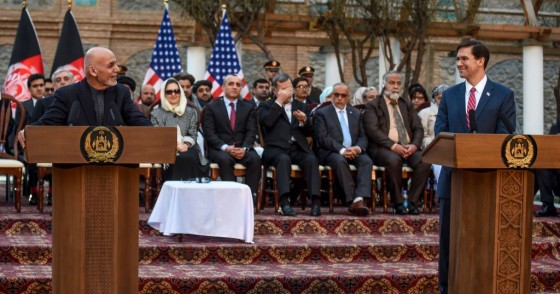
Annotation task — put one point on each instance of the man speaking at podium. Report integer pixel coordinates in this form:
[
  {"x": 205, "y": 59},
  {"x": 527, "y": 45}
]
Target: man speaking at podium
[
  {"x": 95, "y": 101},
  {"x": 476, "y": 105}
]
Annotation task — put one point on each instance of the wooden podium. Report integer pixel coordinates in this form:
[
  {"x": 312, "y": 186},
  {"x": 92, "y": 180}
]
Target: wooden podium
[
  {"x": 491, "y": 211},
  {"x": 95, "y": 206}
]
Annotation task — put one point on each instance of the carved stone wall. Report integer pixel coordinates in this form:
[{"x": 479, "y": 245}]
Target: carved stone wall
[{"x": 30, "y": 4}]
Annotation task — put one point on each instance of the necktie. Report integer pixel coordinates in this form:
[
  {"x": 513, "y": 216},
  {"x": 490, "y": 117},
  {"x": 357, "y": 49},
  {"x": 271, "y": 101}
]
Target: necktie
[
  {"x": 232, "y": 115},
  {"x": 471, "y": 105},
  {"x": 401, "y": 130},
  {"x": 347, "y": 140}
]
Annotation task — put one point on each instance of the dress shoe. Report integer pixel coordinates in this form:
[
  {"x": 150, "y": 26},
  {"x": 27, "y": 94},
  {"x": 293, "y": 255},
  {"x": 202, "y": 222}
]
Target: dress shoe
[
  {"x": 315, "y": 209},
  {"x": 546, "y": 210},
  {"x": 33, "y": 199},
  {"x": 400, "y": 209},
  {"x": 358, "y": 208},
  {"x": 412, "y": 209},
  {"x": 286, "y": 210}
]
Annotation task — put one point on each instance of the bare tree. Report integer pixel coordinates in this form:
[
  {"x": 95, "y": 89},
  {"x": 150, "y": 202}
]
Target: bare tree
[
  {"x": 247, "y": 18},
  {"x": 358, "y": 24}
]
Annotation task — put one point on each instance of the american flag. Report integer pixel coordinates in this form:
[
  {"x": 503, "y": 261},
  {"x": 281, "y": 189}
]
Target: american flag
[
  {"x": 165, "y": 61},
  {"x": 224, "y": 61}
]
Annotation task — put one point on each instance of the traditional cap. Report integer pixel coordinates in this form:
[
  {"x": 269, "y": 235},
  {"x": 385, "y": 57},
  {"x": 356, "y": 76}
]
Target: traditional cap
[
  {"x": 306, "y": 70},
  {"x": 126, "y": 80},
  {"x": 272, "y": 64}
]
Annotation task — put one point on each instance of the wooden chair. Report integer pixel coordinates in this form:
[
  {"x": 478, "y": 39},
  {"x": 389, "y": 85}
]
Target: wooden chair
[
  {"x": 9, "y": 163},
  {"x": 406, "y": 175},
  {"x": 43, "y": 169},
  {"x": 146, "y": 170}
]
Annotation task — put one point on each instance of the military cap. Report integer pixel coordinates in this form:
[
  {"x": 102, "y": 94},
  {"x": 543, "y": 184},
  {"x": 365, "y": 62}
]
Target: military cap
[
  {"x": 306, "y": 70},
  {"x": 272, "y": 64}
]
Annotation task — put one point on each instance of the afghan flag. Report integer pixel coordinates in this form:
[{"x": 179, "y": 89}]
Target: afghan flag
[
  {"x": 26, "y": 59},
  {"x": 70, "y": 52}
]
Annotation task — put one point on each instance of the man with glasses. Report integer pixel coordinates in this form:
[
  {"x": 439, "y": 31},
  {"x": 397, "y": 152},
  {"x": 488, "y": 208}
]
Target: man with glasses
[
  {"x": 395, "y": 135},
  {"x": 308, "y": 73},
  {"x": 340, "y": 138},
  {"x": 271, "y": 69},
  {"x": 301, "y": 88},
  {"x": 49, "y": 87}
]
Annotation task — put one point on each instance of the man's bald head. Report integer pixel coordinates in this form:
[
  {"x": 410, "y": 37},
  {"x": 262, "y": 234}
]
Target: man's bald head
[{"x": 101, "y": 68}]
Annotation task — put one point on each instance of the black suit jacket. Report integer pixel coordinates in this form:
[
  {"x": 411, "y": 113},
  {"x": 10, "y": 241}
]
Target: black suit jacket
[
  {"x": 278, "y": 130},
  {"x": 217, "y": 128},
  {"x": 314, "y": 95},
  {"x": 377, "y": 123},
  {"x": 29, "y": 107},
  {"x": 73, "y": 105},
  {"x": 41, "y": 108},
  {"x": 328, "y": 132}
]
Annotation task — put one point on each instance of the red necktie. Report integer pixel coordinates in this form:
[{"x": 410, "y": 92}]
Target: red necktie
[
  {"x": 232, "y": 115},
  {"x": 471, "y": 105}
]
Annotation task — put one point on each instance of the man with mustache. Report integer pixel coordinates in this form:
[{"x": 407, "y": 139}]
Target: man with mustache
[{"x": 395, "y": 135}]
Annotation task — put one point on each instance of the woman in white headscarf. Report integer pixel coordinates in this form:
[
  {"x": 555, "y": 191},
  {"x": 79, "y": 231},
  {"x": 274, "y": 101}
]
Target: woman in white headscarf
[{"x": 175, "y": 112}]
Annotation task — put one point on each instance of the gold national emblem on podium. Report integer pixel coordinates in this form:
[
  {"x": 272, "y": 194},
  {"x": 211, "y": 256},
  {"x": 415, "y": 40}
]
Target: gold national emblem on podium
[
  {"x": 101, "y": 144},
  {"x": 519, "y": 151}
]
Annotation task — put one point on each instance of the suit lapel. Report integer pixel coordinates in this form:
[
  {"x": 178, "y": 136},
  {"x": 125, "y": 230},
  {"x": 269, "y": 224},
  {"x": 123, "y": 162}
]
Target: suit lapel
[
  {"x": 334, "y": 116},
  {"x": 485, "y": 97},
  {"x": 461, "y": 110}
]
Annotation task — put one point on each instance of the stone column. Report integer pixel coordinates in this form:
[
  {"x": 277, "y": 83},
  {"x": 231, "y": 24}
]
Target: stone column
[
  {"x": 533, "y": 88},
  {"x": 383, "y": 64},
  {"x": 331, "y": 69},
  {"x": 196, "y": 61}
]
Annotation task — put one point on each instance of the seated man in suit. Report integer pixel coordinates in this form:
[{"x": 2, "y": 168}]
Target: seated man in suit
[
  {"x": 61, "y": 77},
  {"x": 97, "y": 100},
  {"x": 36, "y": 87},
  {"x": 230, "y": 129},
  {"x": 340, "y": 138},
  {"x": 395, "y": 136},
  {"x": 286, "y": 125}
]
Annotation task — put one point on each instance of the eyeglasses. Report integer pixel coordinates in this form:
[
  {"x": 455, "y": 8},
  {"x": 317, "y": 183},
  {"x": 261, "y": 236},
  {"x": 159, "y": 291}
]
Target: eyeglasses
[
  {"x": 337, "y": 95},
  {"x": 49, "y": 90},
  {"x": 302, "y": 87},
  {"x": 173, "y": 92},
  {"x": 273, "y": 69},
  {"x": 417, "y": 98},
  {"x": 201, "y": 180}
]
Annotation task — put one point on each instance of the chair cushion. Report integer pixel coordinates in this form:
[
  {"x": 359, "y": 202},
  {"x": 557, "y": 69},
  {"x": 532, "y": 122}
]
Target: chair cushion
[
  {"x": 44, "y": 164},
  {"x": 145, "y": 165},
  {"x": 11, "y": 163}
]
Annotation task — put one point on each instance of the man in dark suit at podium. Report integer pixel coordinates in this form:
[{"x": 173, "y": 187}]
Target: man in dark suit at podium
[
  {"x": 230, "y": 129},
  {"x": 97, "y": 100},
  {"x": 476, "y": 105}
]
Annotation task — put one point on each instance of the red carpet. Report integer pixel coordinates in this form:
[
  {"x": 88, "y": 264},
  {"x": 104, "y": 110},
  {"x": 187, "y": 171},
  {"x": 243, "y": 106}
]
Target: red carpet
[{"x": 335, "y": 253}]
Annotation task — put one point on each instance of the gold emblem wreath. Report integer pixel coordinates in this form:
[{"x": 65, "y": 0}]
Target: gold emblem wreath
[
  {"x": 524, "y": 162},
  {"x": 106, "y": 157}
]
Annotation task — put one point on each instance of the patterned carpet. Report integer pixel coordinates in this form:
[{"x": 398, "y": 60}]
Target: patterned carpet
[{"x": 335, "y": 253}]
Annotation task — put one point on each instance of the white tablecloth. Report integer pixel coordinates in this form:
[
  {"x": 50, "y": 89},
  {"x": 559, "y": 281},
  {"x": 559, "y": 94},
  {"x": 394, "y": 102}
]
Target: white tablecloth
[{"x": 220, "y": 209}]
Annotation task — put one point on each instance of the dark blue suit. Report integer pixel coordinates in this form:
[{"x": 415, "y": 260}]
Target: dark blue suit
[
  {"x": 329, "y": 139},
  {"x": 451, "y": 117}
]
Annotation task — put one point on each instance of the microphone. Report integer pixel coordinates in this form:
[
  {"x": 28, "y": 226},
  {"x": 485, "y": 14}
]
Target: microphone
[
  {"x": 473, "y": 122},
  {"x": 509, "y": 126},
  {"x": 74, "y": 113}
]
